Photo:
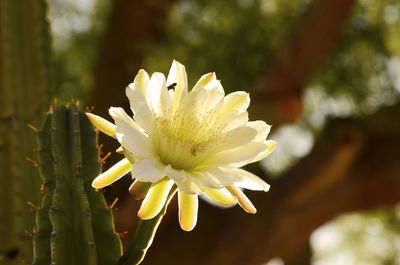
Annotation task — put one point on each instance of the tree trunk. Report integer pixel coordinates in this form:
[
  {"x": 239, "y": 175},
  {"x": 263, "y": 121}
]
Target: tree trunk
[{"x": 278, "y": 97}]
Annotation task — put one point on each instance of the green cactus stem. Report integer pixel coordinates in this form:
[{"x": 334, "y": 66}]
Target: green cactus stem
[
  {"x": 24, "y": 93},
  {"x": 74, "y": 224},
  {"x": 144, "y": 235}
]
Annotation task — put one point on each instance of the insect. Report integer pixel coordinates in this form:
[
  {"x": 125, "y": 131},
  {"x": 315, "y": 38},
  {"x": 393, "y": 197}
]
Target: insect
[{"x": 171, "y": 86}]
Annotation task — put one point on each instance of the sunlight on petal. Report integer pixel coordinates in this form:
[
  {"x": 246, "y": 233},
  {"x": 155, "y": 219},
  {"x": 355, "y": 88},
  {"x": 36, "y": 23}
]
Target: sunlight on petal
[
  {"x": 188, "y": 207},
  {"x": 243, "y": 201},
  {"x": 112, "y": 174},
  {"x": 155, "y": 199}
]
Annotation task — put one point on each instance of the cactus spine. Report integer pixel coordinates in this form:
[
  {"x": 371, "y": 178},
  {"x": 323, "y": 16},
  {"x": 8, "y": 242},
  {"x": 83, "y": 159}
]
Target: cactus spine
[
  {"x": 24, "y": 91},
  {"x": 74, "y": 224}
]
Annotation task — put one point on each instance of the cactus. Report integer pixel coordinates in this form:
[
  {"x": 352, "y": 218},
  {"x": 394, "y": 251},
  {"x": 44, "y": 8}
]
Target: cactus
[
  {"x": 74, "y": 224},
  {"x": 24, "y": 93}
]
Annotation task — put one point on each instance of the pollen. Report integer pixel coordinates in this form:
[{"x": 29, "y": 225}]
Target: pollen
[{"x": 186, "y": 136}]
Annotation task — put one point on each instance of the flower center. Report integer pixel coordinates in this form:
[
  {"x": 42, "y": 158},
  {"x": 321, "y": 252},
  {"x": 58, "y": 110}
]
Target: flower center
[{"x": 186, "y": 137}]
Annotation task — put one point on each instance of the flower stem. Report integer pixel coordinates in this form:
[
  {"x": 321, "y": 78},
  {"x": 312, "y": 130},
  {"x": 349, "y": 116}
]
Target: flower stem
[{"x": 144, "y": 235}]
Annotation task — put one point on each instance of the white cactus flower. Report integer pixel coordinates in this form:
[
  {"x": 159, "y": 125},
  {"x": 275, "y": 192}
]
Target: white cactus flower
[{"x": 197, "y": 140}]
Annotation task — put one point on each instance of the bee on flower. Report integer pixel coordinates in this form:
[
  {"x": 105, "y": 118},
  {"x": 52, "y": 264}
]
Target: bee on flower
[{"x": 197, "y": 140}]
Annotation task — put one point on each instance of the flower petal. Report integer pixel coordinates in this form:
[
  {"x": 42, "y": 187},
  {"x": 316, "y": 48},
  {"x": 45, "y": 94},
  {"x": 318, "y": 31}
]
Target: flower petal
[
  {"x": 237, "y": 157},
  {"x": 137, "y": 92},
  {"x": 114, "y": 173},
  {"x": 203, "y": 100},
  {"x": 177, "y": 74},
  {"x": 148, "y": 170},
  {"x": 235, "y": 138},
  {"x": 206, "y": 180},
  {"x": 262, "y": 128},
  {"x": 157, "y": 82},
  {"x": 155, "y": 199},
  {"x": 248, "y": 180},
  {"x": 176, "y": 175},
  {"x": 102, "y": 124},
  {"x": 215, "y": 177},
  {"x": 244, "y": 202},
  {"x": 220, "y": 196},
  {"x": 188, "y": 207},
  {"x": 130, "y": 135},
  {"x": 204, "y": 80},
  {"x": 189, "y": 185},
  {"x": 139, "y": 189},
  {"x": 144, "y": 117},
  {"x": 236, "y": 101},
  {"x": 271, "y": 145},
  {"x": 233, "y": 119}
]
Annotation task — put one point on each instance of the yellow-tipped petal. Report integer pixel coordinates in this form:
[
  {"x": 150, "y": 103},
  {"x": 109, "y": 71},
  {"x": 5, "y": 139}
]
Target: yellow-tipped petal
[
  {"x": 188, "y": 205},
  {"x": 244, "y": 202},
  {"x": 139, "y": 189},
  {"x": 271, "y": 144},
  {"x": 204, "y": 80},
  {"x": 155, "y": 199},
  {"x": 120, "y": 150},
  {"x": 102, "y": 124},
  {"x": 220, "y": 196},
  {"x": 112, "y": 174}
]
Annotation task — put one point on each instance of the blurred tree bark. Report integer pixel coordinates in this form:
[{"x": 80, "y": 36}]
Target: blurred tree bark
[{"x": 278, "y": 96}]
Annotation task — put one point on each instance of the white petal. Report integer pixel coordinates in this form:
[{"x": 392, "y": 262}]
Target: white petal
[
  {"x": 130, "y": 135},
  {"x": 206, "y": 180},
  {"x": 235, "y": 138},
  {"x": 271, "y": 145},
  {"x": 189, "y": 185},
  {"x": 137, "y": 92},
  {"x": 204, "y": 99},
  {"x": 223, "y": 175},
  {"x": 166, "y": 101},
  {"x": 236, "y": 101},
  {"x": 204, "y": 80},
  {"x": 144, "y": 117},
  {"x": 262, "y": 128},
  {"x": 216, "y": 92},
  {"x": 148, "y": 170},
  {"x": 233, "y": 119},
  {"x": 237, "y": 157},
  {"x": 176, "y": 175},
  {"x": 248, "y": 180},
  {"x": 177, "y": 74},
  {"x": 157, "y": 82},
  {"x": 214, "y": 177}
]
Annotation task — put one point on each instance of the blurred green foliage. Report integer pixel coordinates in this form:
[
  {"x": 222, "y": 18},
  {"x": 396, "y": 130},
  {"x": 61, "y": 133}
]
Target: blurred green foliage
[
  {"x": 359, "y": 238},
  {"x": 77, "y": 28}
]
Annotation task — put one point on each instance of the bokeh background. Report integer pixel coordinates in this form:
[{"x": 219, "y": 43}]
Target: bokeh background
[{"x": 324, "y": 73}]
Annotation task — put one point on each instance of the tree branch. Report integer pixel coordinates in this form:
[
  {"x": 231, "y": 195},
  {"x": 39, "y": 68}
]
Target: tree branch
[{"x": 279, "y": 92}]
